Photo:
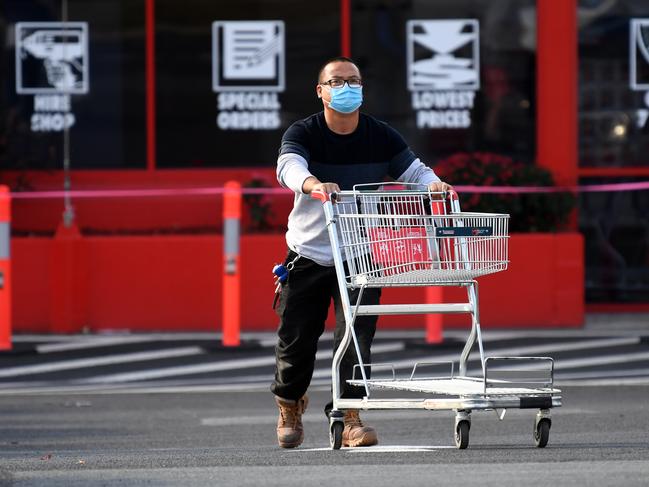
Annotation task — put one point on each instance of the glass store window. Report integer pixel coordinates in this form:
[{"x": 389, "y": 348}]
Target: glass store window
[
  {"x": 612, "y": 131},
  {"x": 613, "y": 143},
  {"x": 451, "y": 75},
  {"x": 97, "y": 57},
  {"x": 616, "y": 235},
  {"x": 232, "y": 76}
]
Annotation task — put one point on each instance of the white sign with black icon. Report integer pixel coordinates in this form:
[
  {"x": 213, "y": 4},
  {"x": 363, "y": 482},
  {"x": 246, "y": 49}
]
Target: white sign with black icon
[
  {"x": 639, "y": 54},
  {"x": 52, "y": 64},
  {"x": 639, "y": 64},
  {"x": 443, "y": 71},
  {"x": 52, "y": 57},
  {"x": 248, "y": 72}
]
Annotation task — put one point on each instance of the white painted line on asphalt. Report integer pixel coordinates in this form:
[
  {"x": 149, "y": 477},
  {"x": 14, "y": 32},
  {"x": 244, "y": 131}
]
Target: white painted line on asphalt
[
  {"x": 380, "y": 449},
  {"x": 510, "y": 352},
  {"x": 618, "y": 381},
  {"x": 487, "y": 336},
  {"x": 152, "y": 337},
  {"x": 100, "y": 361},
  {"x": 380, "y": 348},
  {"x": 325, "y": 374},
  {"x": 236, "y": 364},
  {"x": 89, "y": 343},
  {"x": 577, "y": 363},
  {"x": 259, "y": 419},
  {"x": 322, "y": 377},
  {"x": 181, "y": 370},
  {"x": 602, "y": 374},
  {"x": 319, "y": 385},
  {"x": 270, "y": 338},
  {"x": 271, "y": 341},
  {"x": 313, "y": 417},
  {"x": 561, "y": 364},
  {"x": 64, "y": 390},
  {"x": 559, "y": 333}
]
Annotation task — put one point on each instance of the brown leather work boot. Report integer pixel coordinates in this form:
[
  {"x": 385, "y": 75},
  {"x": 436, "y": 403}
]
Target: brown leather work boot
[
  {"x": 290, "y": 433},
  {"x": 356, "y": 433}
]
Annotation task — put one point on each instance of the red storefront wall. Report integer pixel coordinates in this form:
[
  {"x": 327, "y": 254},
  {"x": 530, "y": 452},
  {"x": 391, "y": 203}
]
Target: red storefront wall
[{"x": 174, "y": 283}]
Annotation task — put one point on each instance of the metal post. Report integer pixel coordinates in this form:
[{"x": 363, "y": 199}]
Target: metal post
[
  {"x": 231, "y": 272},
  {"x": 5, "y": 268},
  {"x": 68, "y": 208}
]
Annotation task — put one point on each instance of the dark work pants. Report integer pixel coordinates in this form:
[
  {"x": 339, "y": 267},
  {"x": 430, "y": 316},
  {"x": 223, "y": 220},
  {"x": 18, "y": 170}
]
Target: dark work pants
[{"x": 303, "y": 309}]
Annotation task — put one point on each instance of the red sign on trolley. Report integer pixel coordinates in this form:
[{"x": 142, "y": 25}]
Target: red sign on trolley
[{"x": 391, "y": 247}]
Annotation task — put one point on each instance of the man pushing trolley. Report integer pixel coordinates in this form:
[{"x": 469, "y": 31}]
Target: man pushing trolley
[{"x": 362, "y": 238}]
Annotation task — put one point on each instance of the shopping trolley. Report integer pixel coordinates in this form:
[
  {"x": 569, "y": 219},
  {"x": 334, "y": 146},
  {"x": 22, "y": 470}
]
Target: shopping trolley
[{"x": 395, "y": 236}]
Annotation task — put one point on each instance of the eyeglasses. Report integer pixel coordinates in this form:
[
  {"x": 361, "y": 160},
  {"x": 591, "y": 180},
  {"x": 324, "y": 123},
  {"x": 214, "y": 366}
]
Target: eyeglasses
[{"x": 353, "y": 82}]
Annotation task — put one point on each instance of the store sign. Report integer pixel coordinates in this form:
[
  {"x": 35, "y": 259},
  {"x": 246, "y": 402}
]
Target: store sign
[
  {"x": 52, "y": 64},
  {"x": 443, "y": 64},
  {"x": 639, "y": 64},
  {"x": 248, "y": 73}
]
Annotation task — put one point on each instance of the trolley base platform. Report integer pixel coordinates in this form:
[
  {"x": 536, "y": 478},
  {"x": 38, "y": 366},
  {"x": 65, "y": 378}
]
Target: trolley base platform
[
  {"x": 468, "y": 393},
  {"x": 461, "y": 386}
]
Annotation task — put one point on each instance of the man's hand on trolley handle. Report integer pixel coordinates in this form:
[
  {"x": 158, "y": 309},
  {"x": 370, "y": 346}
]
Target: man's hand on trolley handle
[
  {"x": 312, "y": 184},
  {"x": 440, "y": 186}
]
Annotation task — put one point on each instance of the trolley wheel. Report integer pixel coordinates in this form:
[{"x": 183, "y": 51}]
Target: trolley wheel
[
  {"x": 542, "y": 433},
  {"x": 462, "y": 434},
  {"x": 336, "y": 435}
]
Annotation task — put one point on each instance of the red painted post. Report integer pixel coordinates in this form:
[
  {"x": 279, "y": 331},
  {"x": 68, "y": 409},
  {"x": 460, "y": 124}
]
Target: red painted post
[
  {"x": 345, "y": 28},
  {"x": 231, "y": 268},
  {"x": 5, "y": 268},
  {"x": 434, "y": 324},
  {"x": 149, "y": 14},
  {"x": 556, "y": 97}
]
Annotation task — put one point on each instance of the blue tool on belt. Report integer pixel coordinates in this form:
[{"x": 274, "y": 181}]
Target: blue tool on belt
[{"x": 281, "y": 277}]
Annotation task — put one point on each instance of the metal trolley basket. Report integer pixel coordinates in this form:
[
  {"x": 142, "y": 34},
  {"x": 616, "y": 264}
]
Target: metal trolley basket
[{"x": 389, "y": 237}]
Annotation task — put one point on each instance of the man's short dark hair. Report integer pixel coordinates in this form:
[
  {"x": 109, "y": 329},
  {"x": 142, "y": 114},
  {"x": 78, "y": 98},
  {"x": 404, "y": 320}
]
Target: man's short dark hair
[{"x": 337, "y": 59}]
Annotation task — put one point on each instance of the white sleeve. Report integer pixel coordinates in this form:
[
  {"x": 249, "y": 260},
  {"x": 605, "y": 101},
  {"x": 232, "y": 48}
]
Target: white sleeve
[
  {"x": 420, "y": 173},
  {"x": 292, "y": 171}
]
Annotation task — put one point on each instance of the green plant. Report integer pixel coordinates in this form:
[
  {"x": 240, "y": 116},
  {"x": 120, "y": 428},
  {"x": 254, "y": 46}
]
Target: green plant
[
  {"x": 530, "y": 212},
  {"x": 259, "y": 208}
]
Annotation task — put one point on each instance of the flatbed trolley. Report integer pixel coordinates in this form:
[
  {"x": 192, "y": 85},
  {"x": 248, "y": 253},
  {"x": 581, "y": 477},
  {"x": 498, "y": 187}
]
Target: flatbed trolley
[{"x": 402, "y": 235}]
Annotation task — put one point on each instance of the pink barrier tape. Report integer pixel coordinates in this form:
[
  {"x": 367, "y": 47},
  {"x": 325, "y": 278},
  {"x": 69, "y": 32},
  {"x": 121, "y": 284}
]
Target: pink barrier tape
[
  {"x": 587, "y": 188},
  {"x": 138, "y": 193}
]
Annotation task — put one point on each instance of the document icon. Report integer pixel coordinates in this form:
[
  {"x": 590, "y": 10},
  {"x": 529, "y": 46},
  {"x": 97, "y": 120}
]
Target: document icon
[{"x": 248, "y": 55}]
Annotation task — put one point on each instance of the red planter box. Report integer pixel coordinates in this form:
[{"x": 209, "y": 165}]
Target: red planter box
[{"x": 173, "y": 283}]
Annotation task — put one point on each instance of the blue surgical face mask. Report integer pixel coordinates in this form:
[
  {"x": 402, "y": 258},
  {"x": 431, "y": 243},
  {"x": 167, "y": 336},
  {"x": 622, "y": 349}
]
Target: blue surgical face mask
[{"x": 346, "y": 99}]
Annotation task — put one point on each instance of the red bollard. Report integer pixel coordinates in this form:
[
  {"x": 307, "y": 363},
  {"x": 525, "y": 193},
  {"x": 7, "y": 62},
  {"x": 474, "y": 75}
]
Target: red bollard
[
  {"x": 231, "y": 270},
  {"x": 5, "y": 268},
  {"x": 434, "y": 325}
]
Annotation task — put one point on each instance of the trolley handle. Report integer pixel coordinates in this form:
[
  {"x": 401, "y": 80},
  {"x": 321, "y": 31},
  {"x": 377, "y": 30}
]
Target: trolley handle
[
  {"x": 384, "y": 185},
  {"x": 455, "y": 201},
  {"x": 318, "y": 194},
  {"x": 324, "y": 197}
]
